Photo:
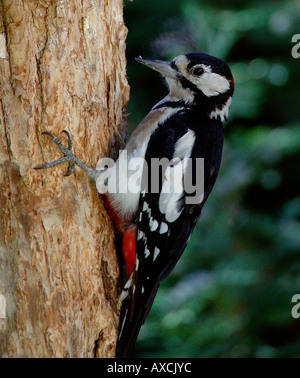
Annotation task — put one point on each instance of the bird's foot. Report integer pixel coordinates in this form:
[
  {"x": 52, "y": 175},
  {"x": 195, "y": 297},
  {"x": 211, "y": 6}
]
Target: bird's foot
[
  {"x": 67, "y": 151},
  {"x": 69, "y": 157}
]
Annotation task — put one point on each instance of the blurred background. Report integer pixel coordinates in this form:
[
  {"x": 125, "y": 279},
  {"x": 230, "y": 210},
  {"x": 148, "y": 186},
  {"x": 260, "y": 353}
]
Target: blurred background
[{"x": 231, "y": 293}]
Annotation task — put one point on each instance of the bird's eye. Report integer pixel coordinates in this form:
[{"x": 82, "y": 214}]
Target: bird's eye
[
  {"x": 173, "y": 65},
  {"x": 198, "y": 71}
]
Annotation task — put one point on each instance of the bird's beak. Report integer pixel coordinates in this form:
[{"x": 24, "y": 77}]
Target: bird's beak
[{"x": 160, "y": 66}]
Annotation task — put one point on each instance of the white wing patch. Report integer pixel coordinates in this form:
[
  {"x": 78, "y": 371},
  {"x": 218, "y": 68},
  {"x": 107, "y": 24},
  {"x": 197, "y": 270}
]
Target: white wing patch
[
  {"x": 168, "y": 204},
  {"x": 153, "y": 224},
  {"x": 156, "y": 253},
  {"x": 172, "y": 188},
  {"x": 124, "y": 293},
  {"x": 145, "y": 206},
  {"x": 140, "y": 235},
  {"x": 184, "y": 145},
  {"x": 163, "y": 228},
  {"x": 147, "y": 252}
]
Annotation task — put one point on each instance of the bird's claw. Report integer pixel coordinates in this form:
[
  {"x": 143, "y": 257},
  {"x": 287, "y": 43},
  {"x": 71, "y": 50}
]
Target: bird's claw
[{"x": 67, "y": 151}]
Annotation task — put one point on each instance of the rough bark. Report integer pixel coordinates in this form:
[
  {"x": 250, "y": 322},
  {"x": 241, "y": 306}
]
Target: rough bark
[{"x": 62, "y": 66}]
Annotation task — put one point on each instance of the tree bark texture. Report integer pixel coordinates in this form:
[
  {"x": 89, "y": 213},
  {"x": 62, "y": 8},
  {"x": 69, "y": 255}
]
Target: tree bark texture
[{"x": 62, "y": 66}]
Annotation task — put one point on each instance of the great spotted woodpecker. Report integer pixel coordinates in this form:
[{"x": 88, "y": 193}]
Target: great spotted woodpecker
[{"x": 156, "y": 225}]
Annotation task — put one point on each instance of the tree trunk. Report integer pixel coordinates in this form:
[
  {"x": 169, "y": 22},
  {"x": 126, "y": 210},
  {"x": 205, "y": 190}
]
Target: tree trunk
[{"x": 62, "y": 66}]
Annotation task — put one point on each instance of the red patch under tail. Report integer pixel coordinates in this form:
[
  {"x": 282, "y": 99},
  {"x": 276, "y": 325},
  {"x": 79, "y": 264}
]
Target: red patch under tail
[{"x": 129, "y": 246}]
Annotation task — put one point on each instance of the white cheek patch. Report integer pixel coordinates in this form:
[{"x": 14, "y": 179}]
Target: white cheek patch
[{"x": 210, "y": 83}]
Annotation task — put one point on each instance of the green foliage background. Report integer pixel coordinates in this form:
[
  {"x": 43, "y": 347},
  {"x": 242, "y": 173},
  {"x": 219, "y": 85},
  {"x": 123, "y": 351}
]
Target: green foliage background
[{"x": 230, "y": 294}]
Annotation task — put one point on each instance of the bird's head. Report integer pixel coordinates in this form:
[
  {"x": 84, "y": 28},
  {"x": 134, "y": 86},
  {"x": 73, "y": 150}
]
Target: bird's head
[{"x": 198, "y": 80}]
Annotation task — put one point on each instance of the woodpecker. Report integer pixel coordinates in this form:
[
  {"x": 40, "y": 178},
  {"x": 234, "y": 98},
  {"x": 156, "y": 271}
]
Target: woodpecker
[{"x": 156, "y": 225}]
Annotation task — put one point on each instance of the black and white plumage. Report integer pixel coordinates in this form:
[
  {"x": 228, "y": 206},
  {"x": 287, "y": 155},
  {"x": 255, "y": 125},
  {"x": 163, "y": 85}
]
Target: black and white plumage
[
  {"x": 186, "y": 124},
  {"x": 189, "y": 126}
]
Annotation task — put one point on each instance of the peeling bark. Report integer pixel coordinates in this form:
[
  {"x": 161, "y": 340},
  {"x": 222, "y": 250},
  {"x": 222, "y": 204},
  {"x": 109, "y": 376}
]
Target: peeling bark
[{"x": 62, "y": 66}]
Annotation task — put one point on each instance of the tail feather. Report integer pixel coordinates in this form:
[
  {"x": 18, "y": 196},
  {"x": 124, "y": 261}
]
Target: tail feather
[{"x": 131, "y": 319}]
